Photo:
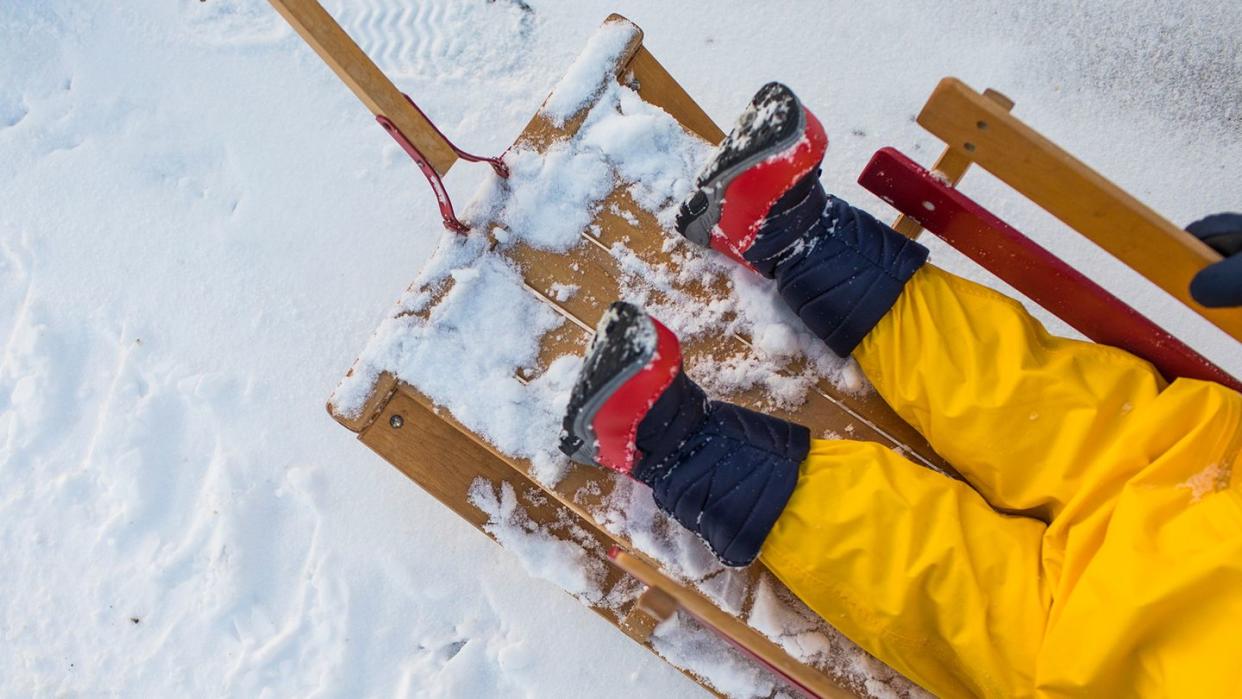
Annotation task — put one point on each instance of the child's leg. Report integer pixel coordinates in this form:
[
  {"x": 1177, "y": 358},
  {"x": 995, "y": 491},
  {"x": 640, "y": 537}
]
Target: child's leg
[
  {"x": 916, "y": 568},
  {"x": 1021, "y": 414}
]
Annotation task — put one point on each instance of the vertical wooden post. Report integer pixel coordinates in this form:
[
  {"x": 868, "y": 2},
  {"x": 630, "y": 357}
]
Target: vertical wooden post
[{"x": 951, "y": 166}]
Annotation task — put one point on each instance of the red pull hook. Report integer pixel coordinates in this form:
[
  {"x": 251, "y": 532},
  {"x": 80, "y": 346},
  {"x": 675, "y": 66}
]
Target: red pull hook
[{"x": 451, "y": 221}]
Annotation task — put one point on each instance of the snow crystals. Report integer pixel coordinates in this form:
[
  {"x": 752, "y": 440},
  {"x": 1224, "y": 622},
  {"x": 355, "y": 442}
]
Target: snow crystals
[
  {"x": 1212, "y": 479},
  {"x": 589, "y": 72},
  {"x": 542, "y": 554}
]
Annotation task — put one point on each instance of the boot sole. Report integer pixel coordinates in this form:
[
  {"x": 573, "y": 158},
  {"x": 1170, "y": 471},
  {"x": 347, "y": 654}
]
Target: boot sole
[
  {"x": 625, "y": 343},
  {"x": 773, "y": 123}
]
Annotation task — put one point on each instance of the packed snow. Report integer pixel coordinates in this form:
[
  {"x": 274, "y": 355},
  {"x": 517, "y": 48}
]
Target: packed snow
[
  {"x": 586, "y": 75},
  {"x": 542, "y": 554},
  {"x": 200, "y": 227},
  {"x": 484, "y": 329},
  {"x": 685, "y": 643}
]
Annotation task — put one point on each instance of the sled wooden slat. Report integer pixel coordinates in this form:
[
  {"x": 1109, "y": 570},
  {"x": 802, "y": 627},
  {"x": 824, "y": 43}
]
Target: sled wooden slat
[
  {"x": 368, "y": 82},
  {"x": 432, "y": 453},
  {"x": 1074, "y": 193},
  {"x": 385, "y": 385},
  {"x": 652, "y": 607},
  {"x": 657, "y": 87}
]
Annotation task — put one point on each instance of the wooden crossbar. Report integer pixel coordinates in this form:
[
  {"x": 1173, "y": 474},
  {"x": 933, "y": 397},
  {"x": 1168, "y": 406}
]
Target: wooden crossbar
[
  {"x": 433, "y": 454},
  {"x": 985, "y": 133}
]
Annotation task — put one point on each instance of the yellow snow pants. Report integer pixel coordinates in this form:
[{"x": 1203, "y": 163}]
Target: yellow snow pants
[{"x": 1097, "y": 549}]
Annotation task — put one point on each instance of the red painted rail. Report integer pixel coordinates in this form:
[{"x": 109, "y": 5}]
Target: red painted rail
[{"x": 1030, "y": 268}]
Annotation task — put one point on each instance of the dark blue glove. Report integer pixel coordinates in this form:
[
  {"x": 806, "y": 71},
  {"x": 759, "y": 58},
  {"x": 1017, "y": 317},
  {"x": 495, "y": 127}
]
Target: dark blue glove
[{"x": 1220, "y": 284}]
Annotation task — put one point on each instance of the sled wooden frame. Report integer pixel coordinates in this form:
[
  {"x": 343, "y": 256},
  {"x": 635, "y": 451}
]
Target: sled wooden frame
[
  {"x": 978, "y": 128},
  {"x": 433, "y": 449}
]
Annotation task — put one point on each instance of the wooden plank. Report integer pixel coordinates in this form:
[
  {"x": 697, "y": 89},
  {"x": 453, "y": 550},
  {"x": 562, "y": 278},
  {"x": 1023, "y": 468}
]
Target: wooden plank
[
  {"x": 950, "y": 168},
  {"x": 738, "y": 634},
  {"x": 385, "y": 385},
  {"x": 1074, "y": 193},
  {"x": 442, "y": 457},
  {"x": 656, "y": 86},
  {"x": 433, "y": 454},
  {"x": 652, "y": 607},
  {"x": 540, "y": 132},
  {"x": 360, "y": 73},
  {"x": 1032, "y": 270}
]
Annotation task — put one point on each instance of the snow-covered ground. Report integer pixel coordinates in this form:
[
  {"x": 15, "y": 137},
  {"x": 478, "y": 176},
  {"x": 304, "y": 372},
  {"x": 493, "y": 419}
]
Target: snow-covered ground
[{"x": 200, "y": 227}]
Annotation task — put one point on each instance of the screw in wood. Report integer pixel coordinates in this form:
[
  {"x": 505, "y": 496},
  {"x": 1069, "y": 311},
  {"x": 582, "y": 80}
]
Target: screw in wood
[{"x": 396, "y": 421}]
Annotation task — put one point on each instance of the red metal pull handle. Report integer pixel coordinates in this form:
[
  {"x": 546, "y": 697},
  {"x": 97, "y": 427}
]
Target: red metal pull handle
[{"x": 451, "y": 221}]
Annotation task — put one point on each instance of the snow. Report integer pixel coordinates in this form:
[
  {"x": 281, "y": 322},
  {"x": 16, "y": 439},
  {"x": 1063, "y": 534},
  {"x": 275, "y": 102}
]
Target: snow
[
  {"x": 684, "y": 642},
  {"x": 563, "y": 292},
  {"x": 453, "y": 351},
  {"x": 551, "y": 197},
  {"x": 804, "y": 636},
  {"x": 199, "y": 227},
  {"x": 541, "y": 553},
  {"x": 589, "y": 73},
  {"x": 1214, "y": 478}
]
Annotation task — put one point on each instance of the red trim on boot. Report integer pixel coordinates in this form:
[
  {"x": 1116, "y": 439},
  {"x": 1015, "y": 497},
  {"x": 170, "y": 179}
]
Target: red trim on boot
[
  {"x": 616, "y": 423},
  {"x": 751, "y": 195}
]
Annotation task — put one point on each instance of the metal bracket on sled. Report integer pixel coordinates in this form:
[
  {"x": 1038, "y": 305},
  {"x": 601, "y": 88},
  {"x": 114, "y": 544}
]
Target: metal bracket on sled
[{"x": 451, "y": 221}]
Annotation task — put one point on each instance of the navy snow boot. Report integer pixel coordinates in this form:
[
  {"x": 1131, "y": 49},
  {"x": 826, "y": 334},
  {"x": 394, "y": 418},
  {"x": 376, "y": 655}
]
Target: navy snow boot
[
  {"x": 836, "y": 266},
  {"x": 722, "y": 471}
]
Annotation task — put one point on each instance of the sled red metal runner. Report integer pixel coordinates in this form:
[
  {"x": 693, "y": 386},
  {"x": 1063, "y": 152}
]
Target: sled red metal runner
[
  {"x": 1031, "y": 269},
  {"x": 451, "y": 221}
]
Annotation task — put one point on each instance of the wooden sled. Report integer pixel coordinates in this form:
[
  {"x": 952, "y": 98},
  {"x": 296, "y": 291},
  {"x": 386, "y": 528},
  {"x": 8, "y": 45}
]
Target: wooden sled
[
  {"x": 439, "y": 454},
  {"x": 442, "y": 456}
]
